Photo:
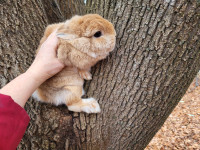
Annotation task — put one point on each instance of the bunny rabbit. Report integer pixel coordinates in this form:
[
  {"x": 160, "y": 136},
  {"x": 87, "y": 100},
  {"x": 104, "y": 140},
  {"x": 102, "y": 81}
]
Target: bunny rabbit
[{"x": 83, "y": 41}]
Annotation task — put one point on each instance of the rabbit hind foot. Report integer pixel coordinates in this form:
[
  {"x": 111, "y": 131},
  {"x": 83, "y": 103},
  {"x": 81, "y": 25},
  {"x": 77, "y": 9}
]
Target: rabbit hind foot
[{"x": 89, "y": 105}]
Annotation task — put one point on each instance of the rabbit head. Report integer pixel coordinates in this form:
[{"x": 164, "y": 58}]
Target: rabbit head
[{"x": 90, "y": 34}]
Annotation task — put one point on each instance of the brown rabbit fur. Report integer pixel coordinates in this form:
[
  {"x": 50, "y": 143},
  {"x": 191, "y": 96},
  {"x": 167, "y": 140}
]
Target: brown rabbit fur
[{"x": 83, "y": 41}]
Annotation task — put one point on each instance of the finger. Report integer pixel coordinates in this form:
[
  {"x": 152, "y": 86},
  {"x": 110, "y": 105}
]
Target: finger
[{"x": 52, "y": 41}]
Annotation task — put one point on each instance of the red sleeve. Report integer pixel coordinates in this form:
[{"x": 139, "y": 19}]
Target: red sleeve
[{"x": 13, "y": 123}]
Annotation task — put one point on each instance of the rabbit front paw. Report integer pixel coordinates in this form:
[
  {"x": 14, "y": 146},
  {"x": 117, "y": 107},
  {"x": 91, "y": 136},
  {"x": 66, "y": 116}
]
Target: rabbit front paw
[{"x": 85, "y": 74}]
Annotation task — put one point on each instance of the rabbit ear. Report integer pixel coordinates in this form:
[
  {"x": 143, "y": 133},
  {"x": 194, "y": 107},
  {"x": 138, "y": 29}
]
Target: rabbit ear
[
  {"x": 82, "y": 44},
  {"x": 66, "y": 36}
]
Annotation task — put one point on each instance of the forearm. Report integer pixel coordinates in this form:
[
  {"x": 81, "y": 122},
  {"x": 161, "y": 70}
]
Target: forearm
[{"x": 21, "y": 88}]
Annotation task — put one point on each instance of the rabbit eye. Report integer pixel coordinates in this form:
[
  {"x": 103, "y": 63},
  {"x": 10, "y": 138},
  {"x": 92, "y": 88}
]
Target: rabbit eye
[{"x": 97, "y": 34}]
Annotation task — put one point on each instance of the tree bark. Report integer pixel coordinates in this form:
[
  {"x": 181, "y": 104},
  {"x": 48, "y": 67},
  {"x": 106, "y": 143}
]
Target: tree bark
[
  {"x": 156, "y": 57},
  {"x": 60, "y": 10}
]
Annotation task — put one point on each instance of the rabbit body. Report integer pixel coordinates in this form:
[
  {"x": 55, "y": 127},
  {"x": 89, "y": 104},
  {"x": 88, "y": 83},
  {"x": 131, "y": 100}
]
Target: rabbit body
[{"x": 83, "y": 41}]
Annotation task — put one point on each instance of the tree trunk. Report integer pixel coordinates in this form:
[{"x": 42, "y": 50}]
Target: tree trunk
[{"x": 156, "y": 57}]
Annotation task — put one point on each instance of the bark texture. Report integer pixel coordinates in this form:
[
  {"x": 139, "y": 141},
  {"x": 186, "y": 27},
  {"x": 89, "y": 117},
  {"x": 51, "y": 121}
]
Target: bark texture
[
  {"x": 60, "y": 10},
  {"x": 21, "y": 27},
  {"x": 138, "y": 85}
]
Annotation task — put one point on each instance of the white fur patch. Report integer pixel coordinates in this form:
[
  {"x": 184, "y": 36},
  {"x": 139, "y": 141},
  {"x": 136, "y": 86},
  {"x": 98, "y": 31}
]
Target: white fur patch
[
  {"x": 60, "y": 97},
  {"x": 36, "y": 96},
  {"x": 83, "y": 92},
  {"x": 93, "y": 55}
]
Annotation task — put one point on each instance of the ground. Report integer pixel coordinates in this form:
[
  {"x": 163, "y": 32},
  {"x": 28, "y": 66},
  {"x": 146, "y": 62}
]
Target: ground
[{"x": 181, "y": 131}]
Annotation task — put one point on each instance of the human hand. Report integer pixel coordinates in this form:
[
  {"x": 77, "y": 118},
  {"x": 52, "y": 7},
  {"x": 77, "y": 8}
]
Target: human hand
[{"x": 46, "y": 64}]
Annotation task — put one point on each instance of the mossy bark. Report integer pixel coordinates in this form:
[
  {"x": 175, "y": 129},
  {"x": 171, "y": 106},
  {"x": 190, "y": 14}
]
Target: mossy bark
[{"x": 156, "y": 57}]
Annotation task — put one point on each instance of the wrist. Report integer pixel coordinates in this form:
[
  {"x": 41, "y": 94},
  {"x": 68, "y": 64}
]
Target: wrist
[{"x": 34, "y": 75}]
